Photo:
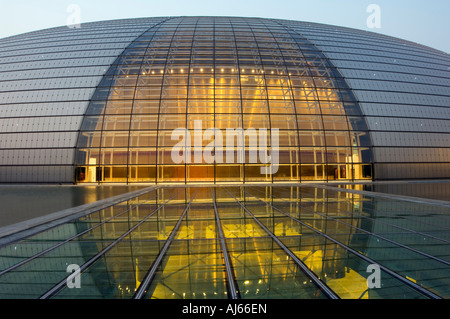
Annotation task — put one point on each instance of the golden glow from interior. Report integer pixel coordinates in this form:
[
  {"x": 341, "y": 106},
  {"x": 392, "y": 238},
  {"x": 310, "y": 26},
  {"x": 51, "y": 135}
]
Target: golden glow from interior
[{"x": 130, "y": 141}]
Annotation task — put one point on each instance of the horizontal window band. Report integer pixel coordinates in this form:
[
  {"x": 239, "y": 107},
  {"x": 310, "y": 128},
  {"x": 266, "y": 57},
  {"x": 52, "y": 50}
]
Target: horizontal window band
[
  {"x": 81, "y": 58},
  {"x": 95, "y": 32},
  {"x": 349, "y": 38},
  {"x": 205, "y": 100},
  {"x": 389, "y": 64},
  {"x": 402, "y": 58},
  {"x": 40, "y": 165}
]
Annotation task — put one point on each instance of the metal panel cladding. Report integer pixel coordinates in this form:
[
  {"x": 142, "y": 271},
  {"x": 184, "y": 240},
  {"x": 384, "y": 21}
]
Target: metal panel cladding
[
  {"x": 403, "y": 89},
  {"x": 100, "y": 103},
  {"x": 46, "y": 81}
]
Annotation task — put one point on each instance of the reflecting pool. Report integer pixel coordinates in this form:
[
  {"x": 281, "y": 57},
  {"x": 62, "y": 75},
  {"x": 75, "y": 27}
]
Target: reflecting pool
[
  {"x": 20, "y": 203},
  {"x": 249, "y": 242}
]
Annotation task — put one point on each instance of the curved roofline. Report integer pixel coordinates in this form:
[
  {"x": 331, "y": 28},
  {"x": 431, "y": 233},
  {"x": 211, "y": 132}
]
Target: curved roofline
[{"x": 244, "y": 17}]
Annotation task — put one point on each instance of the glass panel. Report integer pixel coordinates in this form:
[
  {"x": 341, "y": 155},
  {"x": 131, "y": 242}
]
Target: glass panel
[
  {"x": 298, "y": 216},
  {"x": 257, "y": 76}
]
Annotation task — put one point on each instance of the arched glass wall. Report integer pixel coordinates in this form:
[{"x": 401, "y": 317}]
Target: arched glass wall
[{"x": 228, "y": 73}]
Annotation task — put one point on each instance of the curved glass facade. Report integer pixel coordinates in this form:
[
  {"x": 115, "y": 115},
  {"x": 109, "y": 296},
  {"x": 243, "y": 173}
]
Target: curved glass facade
[
  {"x": 224, "y": 73},
  {"x": 239, "y": 110},
  {"x": 403, "y": 89},
  {"x": 100, "y": 103},
  {"x": 47, "y": 78}
]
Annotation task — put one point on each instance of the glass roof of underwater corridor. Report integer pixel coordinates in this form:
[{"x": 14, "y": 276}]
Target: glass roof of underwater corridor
[{"x": 231, "y": 242}]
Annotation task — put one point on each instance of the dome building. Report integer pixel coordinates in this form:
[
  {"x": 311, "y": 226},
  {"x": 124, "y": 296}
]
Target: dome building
[
  {"x": 227, "y": 119},
  {"x": 101, "y": 103}
]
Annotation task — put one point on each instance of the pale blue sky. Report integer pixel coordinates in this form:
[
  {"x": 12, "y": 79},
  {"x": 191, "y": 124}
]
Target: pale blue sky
[{"x": 425, "y": 22}]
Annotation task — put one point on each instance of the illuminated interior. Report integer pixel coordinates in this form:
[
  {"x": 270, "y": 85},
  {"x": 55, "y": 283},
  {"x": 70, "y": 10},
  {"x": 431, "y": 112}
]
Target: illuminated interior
[
  {"x": 225, "y": 229},
  {"x": 229, "y": 74}
]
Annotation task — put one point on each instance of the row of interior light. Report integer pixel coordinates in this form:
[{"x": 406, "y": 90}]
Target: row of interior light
[
  {"x": 212, "y": 70},
  {"x": 247, "y": 282},
  {"x": 221, "y": 70}
]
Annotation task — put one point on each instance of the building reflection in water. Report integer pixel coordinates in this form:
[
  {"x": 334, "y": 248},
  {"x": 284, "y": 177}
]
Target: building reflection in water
[{"x": 265, "y": 241}]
